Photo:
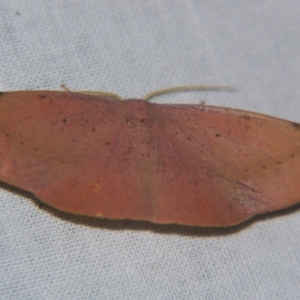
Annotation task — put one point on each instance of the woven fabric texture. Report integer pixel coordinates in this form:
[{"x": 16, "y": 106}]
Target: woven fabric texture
[{"x": 131, "y": 48}]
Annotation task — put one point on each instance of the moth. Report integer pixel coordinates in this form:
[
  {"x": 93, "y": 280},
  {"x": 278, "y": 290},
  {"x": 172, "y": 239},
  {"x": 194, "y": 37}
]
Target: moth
[{"x": 99, "y": 156}]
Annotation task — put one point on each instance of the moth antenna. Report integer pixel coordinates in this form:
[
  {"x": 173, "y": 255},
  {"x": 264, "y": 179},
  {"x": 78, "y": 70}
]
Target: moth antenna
[
  {"x": 102, "y": 93},
  {"x": 189, "y": 88}
]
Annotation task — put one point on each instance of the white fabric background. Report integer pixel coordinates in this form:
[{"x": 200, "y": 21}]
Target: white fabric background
[{"x": 133, "y": 47}]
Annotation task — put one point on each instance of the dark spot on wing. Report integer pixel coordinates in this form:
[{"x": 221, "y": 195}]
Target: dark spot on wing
[
  {"x": 64, "y": 120},
  {"x": 7, "y": 135},
  {"x": 134, "y": 122},
  {"x": 247, "y": 117},
  {"x": 217, "y": 134},
  {"x": 42, "y": 96}
]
